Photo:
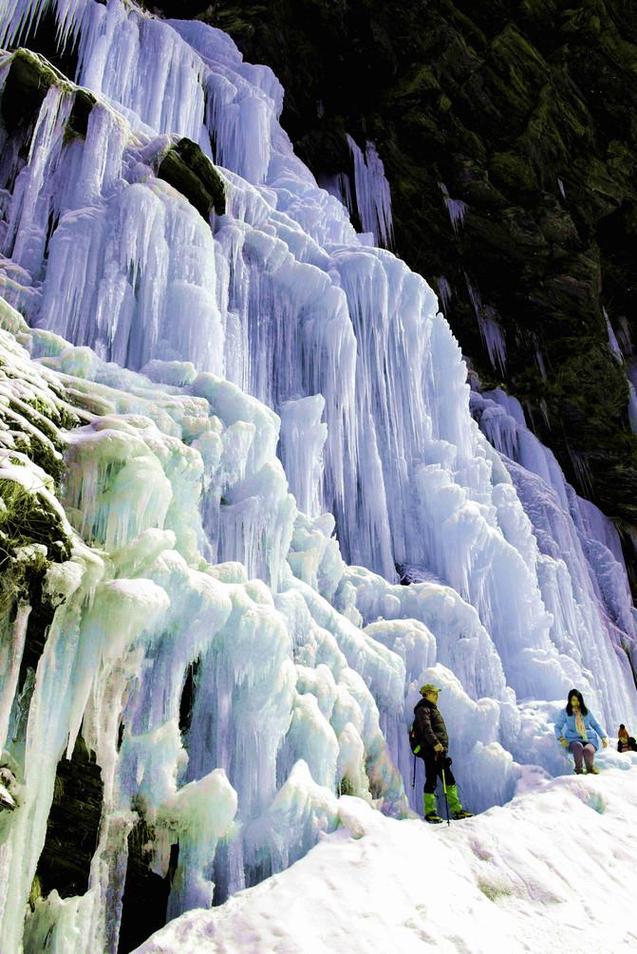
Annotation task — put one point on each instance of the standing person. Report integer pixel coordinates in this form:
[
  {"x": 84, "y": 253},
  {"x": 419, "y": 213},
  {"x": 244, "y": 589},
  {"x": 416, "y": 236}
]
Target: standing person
[
  {"x": 625, "y": 742},
  {"x": 432, "y": 735},
  {"x": 577, "y": 729}
]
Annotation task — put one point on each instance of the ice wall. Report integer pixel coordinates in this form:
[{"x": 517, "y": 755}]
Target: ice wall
[
  {"x": 282, "y": 714},
  {"x": 251, "y": 384}
]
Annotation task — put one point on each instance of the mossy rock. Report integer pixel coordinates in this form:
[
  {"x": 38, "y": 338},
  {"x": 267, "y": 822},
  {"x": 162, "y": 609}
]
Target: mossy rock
[
  {"x": 188, "y": 170},
  {"x": 513, "y": 172},
  {"x": 83, "y": 104},
  {"x": 29, "y": 80},
  {"x": 27, "y": 519}
]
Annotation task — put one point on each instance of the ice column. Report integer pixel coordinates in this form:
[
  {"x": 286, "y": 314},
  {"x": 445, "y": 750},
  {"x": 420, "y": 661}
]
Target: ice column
[{"x": 373, "y": 196}]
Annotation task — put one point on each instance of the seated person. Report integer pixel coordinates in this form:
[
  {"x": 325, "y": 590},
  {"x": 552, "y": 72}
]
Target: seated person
[
  {"x": 625, "y": 742},
  {"x": 578, "y": 730}
]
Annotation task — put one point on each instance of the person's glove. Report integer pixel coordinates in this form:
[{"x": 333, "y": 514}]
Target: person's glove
[
  {"x": 564, "y": 742},
  {"x": 605, "y": 743}
]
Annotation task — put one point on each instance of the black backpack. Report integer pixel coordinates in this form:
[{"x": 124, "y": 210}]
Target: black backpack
[{"x": 415, "y": 743}]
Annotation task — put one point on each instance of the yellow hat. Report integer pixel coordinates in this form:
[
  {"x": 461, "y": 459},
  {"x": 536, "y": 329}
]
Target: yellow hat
[{"x": 429, "y": 687}]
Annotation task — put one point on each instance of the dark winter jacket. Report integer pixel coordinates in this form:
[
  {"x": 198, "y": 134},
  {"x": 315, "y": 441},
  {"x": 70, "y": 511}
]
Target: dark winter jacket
[
  {"x": 430, "y": 724},
  {"x": 628, "y": 746}
]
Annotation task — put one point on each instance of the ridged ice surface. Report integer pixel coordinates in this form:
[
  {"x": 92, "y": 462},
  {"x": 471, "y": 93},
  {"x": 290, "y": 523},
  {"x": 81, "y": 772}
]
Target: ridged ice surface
[{"x": 275, "y": 425}]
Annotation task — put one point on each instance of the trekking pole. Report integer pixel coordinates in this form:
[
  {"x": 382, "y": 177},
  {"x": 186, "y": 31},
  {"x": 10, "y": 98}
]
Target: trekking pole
[
  {"x": 413, "y": 779},
  {"x": 444, "y": 791}
]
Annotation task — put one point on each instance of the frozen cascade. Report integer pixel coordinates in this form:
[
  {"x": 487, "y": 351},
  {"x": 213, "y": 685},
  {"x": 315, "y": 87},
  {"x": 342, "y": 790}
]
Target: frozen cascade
[
  {"x": 581, "y": 570},
  {"x": 136, "y": 608},
  {"x": 373, "y": 195},
  {"x": 193, "y": 349}
]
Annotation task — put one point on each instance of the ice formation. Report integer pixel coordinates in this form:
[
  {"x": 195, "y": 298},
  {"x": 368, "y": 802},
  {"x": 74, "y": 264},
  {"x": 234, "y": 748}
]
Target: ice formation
[
  {"x": 366, "y": 193},
  {"x": 490, "y": 331},
  {"x": 263, "y": 424},
  {"x": 373, "y": 194},
  {"x": 456, "y": 209}
]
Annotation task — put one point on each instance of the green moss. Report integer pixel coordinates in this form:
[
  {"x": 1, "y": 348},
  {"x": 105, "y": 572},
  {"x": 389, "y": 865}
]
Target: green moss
[
  {"x": 420, "y": 81},
  {"x": 621, "y": 165},
  {"x": 40, "y": 405},
  {"x": 475, "y": 186},
  {"x": 38, "y": 419},
  {"x": 29, "y": 80},
  {"x": 68, "y": 418},
  {"x": 557, "y": 121},
  {"x": 345, "y": 787},
  {"x": 520, "y": 71},
  {"x": 189, "y": 171},
  {"x": 77, "y": 125},
  {"x": 31, "y": 536},
  {"x": 42, "y": 454},
  {"x": 540, "y": 11},
  {"x": 35, "y": 424},
  {"x": 50, "y": 416},
  {"x": 35, "y": 893},
  {"x": 513, "y": 173},
  {"x": 493, "y": 891}
]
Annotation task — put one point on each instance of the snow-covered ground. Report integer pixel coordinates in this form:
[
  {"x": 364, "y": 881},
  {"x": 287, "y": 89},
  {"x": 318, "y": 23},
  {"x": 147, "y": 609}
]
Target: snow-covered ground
[{"x": 551, "y": 870}]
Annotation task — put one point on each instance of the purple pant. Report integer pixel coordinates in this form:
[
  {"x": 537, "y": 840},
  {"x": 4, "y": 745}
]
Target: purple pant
[{"x": 587, "y": 750}]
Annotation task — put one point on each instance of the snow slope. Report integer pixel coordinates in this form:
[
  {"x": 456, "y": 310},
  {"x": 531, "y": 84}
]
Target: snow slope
[{"x": 552, "y": 870}]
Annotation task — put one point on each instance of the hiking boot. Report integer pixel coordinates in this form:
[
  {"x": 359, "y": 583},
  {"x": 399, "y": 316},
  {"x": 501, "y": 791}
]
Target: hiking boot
[
  {"x": 462, "y": 814},
  {"x": 593, "y": 770},
  {"x": 433, "y": 818},
  {"x": 579, "y": 771},
  {"x": 429, "y": 806}
]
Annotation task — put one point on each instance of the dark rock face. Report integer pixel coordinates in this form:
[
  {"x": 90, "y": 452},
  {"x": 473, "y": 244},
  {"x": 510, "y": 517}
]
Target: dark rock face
[
  {"x": 145, "y": 893},
  {"x": 72, "y": 828},
  {"x": 521, "y": 119},
  {"x": 189, "y": 171},
  {"x": 29, "y": 80}
]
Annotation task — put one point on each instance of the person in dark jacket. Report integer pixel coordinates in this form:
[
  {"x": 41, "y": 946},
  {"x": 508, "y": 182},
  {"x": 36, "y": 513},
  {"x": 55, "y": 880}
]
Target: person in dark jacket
[
  {"x": 433, "y": 738},
  {"x": 625, "y": 742}
]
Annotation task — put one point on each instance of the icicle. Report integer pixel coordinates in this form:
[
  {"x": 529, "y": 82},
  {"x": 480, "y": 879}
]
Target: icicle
[
  {"x": 303, "y": 437},
  {"x": 456, "y": 208},
  {"x": 373, "y": 196},
  {"x": 26, "y": 236},
  {"x": 12, "y": 640}
]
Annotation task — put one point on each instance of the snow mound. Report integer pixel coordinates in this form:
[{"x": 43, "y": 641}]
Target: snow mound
[{"x": 553, "y": 867}]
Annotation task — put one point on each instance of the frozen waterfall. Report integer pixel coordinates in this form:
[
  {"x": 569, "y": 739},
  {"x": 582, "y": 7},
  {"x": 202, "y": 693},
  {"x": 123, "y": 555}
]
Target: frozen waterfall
[{"x": 245, "y": 426}]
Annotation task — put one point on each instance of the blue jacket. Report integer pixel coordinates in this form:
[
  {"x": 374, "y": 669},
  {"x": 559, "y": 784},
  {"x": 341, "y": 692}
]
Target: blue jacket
[{"x": 565, "y": 728}]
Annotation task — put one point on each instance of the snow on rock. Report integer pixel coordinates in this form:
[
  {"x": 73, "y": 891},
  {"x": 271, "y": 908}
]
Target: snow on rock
[{"x": 553, "y": 867}]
